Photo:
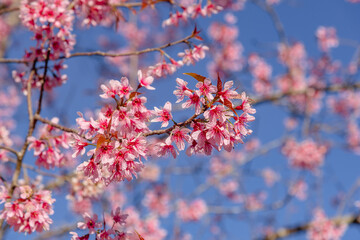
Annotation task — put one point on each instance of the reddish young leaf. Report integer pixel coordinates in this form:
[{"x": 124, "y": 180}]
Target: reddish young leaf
[
  {"x": 196, "y": 76},
  {"x": 133, "y": 94},
  {"x": 219, "y": 83},
  {"x": 100, "y": 141},
  {"x": 140, "y": 237}
]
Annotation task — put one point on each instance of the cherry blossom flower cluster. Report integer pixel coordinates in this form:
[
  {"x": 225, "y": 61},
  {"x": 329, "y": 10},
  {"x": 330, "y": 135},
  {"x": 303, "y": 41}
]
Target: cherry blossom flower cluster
[
  {"x": 52, "y": 23},
  {"x": 227, "y": 56},
  {"x": 29, "y": 208},
  {"x": 216, "y": 130},
  {"x": 346, "y": 104},
  {"x": 189, "y": 56},
  {"x": 163, "y": 68},
  {"x": 322, "y": 228},
  {"x": 192, "y": 11},
  {"x": 294, "y": 58},
  {"x": 157, "y": 200},
  {"x": 353, "y": 136},
  {"x": 298, "y": 189},
  {"x": 148, "y": 228},
  {"x": 255, "y": 201},
  {"x": 82, "y": 192},
  {"x": 270, "y": 176},
  {"x": 327, "y": 38},
  {"x": 96, "y": 12},
  {"x": 118, "y": 134},
  {"x": 307, "y": 154},
  {"x": 193, "y": 211},
  {"x": 229, "y": 189},
  {"x": 261, "y": 71},
  {"x": 48, "y": 148},
  {"x": 100, "y": 230}
]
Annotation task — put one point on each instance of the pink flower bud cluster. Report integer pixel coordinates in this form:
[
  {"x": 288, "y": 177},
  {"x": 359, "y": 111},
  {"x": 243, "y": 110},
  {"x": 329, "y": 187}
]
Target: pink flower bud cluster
[
  {"x": 322, "y": 228},
  {"x": 49, "y": 146},
  {"x": 327, "y": 38},
  {"x": 192, "y": 12},
  {"x": 29, "y": 209},
  {"x": 52, "y": 23},
  {"x": 191, "y": 211},
  {"x": 118, "y": 133},
  {"x": 307, "y": 154}
]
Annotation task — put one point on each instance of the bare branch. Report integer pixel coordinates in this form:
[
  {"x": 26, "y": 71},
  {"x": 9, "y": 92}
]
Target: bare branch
[
  {"x": 108, "y": 54},
  {"x": 58, "y": 126},
  {"x": 185, "y": 123},
  {"x": 285, "y": 232},
  {"x": 57, "y": 232},
  {"x": 8, "y": 10},
  {"x": 9, "y": 149},
  {"x": 280, "y": 95},
  {"x": 275, "y": 18},
  {"x": 147, "y": 50}
]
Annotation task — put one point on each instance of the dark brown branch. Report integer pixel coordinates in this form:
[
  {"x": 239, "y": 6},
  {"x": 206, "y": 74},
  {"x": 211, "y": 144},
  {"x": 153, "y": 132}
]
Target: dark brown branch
[
  {"x": 8, "y": 10},
  {"x": 285, "y": 232}
]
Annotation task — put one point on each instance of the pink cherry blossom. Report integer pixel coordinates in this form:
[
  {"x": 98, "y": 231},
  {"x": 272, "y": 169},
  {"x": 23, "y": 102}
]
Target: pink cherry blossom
[{"x": 164, "y": 114}]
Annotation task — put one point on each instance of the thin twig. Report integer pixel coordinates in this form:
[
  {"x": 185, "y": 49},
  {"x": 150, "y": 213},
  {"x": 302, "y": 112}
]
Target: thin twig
[
  {"x": 108, "y": 54},
  {"x": 285, "y": 232},
  {"x": 9, "y": 149},
  {"x": 147, "y": 50},
  {"x": 280, "y": 95},
  {"x": 34, "y": 169},
  {"x": 275, "y": 18},
  {"x": 58, "y": 126},
  {"x": 57, "y": 232},
  {"x": 185, "y": 123},
  {"x": 8, "y": 10}
]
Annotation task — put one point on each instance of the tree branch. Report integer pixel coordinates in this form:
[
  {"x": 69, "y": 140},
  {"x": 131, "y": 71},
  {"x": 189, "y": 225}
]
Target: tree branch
[
  {"x": 280, "y": 95},
  {"x": 9, "y": 149},
  {"x": 108, "y": 54},
  {"x": 58, "y": 126},
  {"x": 285, "y": 232}
]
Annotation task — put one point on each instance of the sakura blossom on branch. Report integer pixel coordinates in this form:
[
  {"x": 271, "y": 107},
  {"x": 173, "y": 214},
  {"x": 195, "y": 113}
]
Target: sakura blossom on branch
[{"x": 119, "y": 133}]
